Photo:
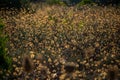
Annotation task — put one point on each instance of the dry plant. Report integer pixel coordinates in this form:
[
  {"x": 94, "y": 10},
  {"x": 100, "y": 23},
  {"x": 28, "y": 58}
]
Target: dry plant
[
  {"x": 67, "y": 31},
  {"x": 112, "y": 72},
  {"x": 27, "y": 64},
  {"x": 70, "y": 67}
]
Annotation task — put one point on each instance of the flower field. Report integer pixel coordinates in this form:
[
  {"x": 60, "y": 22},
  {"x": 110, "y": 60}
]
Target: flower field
[{"x": 63, "y": 43}]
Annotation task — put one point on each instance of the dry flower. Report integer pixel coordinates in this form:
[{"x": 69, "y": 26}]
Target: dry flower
[
  {"x": 70, "y": 67},
  {"x": 27, "y": 64},
  {"x": 112, "y": 72}
]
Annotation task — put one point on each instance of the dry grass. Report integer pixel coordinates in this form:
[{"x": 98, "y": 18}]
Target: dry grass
[{"x": 89, "y": 37}]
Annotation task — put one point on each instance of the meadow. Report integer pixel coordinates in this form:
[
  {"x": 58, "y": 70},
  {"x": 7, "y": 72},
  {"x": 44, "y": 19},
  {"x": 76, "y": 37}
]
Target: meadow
[{"x": 63, "y": 43}]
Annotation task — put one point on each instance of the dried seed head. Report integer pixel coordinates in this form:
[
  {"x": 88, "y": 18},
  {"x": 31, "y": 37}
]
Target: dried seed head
[
  {"x": 70, "y": 67},
  {"x": 39, "y": 56},
  {"x": 27, "y": 64},
  {"x": 89, "y": 52},
  {"x": 44, "y": 71},
  {"x": 112, "y": 72}
]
